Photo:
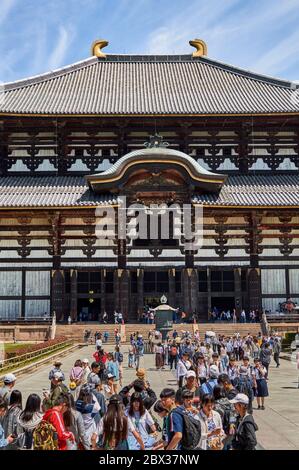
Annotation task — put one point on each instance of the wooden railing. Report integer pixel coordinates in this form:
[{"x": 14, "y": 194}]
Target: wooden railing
[
  {"x": 24, "y": 359},
  {"x": 283, "y": 318}
]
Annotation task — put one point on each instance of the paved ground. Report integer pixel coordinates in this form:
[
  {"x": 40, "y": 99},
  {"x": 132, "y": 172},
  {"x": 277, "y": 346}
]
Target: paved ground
[{"x": 278, "y": 424}]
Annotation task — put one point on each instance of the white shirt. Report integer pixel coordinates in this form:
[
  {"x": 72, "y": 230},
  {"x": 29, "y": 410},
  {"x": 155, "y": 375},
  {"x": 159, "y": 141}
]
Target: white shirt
[{"x": 182, "y": 369}]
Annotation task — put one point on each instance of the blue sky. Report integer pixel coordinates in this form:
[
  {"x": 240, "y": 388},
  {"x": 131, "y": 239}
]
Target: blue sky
[{"x": 41, "y": 35}]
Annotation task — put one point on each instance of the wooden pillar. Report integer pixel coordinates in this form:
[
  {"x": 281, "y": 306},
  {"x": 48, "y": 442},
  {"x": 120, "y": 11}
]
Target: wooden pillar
[
  {"x": 190, "y": 290},
  {"x": 194, "y": 291},
  {"x": 140, "y": 300},
  {"x": 58, "y": 294},
  {"x": 254, "y": 289},
  {"x": 209, "y": 289},
  {"x": 23, "y": 307},
  {"x": 74, "y": 300},
  {"x": 171, "y": 293},
  {"x": 238, "y": 291},
  {"x": 116, "y": 290},
  {"x": 124, "y": 291},
  {"x": 103, "y": 292}
]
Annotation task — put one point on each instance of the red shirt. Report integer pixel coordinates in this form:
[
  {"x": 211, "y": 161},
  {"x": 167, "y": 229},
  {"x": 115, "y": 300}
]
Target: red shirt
[{"x": 55, "y": 417}]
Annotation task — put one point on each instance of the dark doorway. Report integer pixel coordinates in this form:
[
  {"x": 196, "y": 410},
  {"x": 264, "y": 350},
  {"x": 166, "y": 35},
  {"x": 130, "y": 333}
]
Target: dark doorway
[
  {"x": 89, "y": 311},
  {"x": 152, "y": 302},
  {"x": 223, "y": 303}
]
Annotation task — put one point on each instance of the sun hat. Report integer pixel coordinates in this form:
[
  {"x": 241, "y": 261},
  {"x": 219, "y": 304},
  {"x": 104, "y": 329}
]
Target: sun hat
[
  {"x": 110, "y": 376},
  {"x": 190, "y": 373},
  {"x": 140, "y": 373},
  {"x": 58, "y": 376},
  {"x": 240, "y": 398},
  {"x": 214, "y": 372},
  {"x": 9, "y": 378},
  {"x": 85, "y": 361}
]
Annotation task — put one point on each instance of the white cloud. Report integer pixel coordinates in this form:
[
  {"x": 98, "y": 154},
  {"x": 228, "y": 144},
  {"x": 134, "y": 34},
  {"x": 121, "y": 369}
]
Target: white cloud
[
  {"x": 57, "y": 56},
  {"x": 6, "y": 7}
]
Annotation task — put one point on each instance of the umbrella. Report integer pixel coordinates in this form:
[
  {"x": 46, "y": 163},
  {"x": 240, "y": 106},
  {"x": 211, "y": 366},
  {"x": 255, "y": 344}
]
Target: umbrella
[{"x": 210, "y": 333}]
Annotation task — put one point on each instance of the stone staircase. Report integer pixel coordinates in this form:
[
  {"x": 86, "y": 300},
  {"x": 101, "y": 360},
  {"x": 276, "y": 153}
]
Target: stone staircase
[{"x": 76, "y": 331}]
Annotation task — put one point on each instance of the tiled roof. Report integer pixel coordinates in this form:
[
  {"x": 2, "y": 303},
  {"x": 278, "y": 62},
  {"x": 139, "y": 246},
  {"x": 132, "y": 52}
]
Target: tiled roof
[
  {"x": 255, "y": 190},
  {"x": 68, "y": 191},
  {"x": 49, "y": 191},
  {"x": 148, "y": 85}
]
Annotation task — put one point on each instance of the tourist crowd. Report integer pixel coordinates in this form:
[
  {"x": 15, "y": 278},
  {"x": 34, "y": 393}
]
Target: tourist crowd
[{"x": 218, "y": 379}]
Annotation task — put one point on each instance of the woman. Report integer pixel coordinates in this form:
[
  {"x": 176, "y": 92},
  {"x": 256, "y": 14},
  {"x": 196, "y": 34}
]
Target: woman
[
  {"x": 259, "y": 373},
  {"x": 119, "y": 358},
  {"x": 202, "y": 369},
  {"x": 4, "y": 442},
  {"x": 113, "y": 427},
  {"x": 159, "y": 356},
  {"x": 89, "y": 408},
  {"x": 86, "y": 371},
  {"x": 10, "y": 420},
  {"x": 108, "y": 388},
  {"x": 131, "y": 356},
  {"x": 212, "y": 433},
  {"x": 74, "y": 423},
  {"x": 113, "y": 369},
  {"x": 28, "y": 420},
  {"x": 139, "y": 419},
  {"x": 76, "y": 377},
  {"x": 246, "y": 428}
]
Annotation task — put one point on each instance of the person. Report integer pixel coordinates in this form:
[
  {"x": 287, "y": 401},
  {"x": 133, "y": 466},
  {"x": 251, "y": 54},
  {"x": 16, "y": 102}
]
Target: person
[
  {"x": 162, "y": 412},
  {"x": 120, "y": 318},
  {"x": 57, "y": 388},
  {"x": 28, "y": 421},
  {"x": 106, "y": 336},
  {"x": 182, "y": 368},
  {"x": 113, "y": 427},
  {"x": 245, "y": 386},
  {"x": 10, "y": 419},
  {"x": 86, "y": 371},
  {"x": 99, "y": 343},
  {"x": 245, "y": 437},
  {"x": 159, "y": 356},
  {"x": 226, "y": 383},
  {"x": 69, "y": 320},
  {"x": 140, "y": 420},
  {"x": 115, "y": 317},
  {"x": 202, "y": 368},
  {"x": 259, "y": 373},
  {"x": 208, "y": 386},
  {"x": 119, "y": 358},
  {"x": 276, "y": 351},
  {"x": 56, "y": 368},
  {"x": 139, "y": 351},
  {"x": 174, "y": 421},
  {"x": 232, "y": 368},
  {"x": 212, "y": 433},
  {"x": 76, "y": 376},
  {"x": 173, "y": 355},
  {"x": 9, "y": 382},
  {"x": 54, "y": 416},
  {"x": 131, "y": 356},
  {"x": 140, "y": 386},
  {"x": 265, "y": 356},
  {"x": 94, "y": 383},
  {"x": 105, "y": 317},
  {"x": 4, "y": 441},
  {"x": 89, "y": 407},
  {"x": 192, "y": 386},
  {"x": 108, "y": 388},
  {"x": 74, "y": 423},
  {"x": 113, "y": 369},
  {"x": 228, "y": 415}
]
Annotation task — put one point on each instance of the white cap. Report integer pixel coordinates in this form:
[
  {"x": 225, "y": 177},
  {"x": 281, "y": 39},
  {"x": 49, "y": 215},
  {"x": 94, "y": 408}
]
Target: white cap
[
  {"x": 214, "y": 370},
  {"x": 58, "y": 376},
  {"x": 190, "y": 373},
  {"x": 240, "y": 398},
  {"x": 85, "y": 361},
  {"x": 9, "y": 378}
]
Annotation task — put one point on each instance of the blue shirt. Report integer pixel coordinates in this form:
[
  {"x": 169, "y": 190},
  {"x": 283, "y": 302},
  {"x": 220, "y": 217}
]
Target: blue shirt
[
  {"x": 174, "y": 424},
  {"x": 112, "y": 368}
]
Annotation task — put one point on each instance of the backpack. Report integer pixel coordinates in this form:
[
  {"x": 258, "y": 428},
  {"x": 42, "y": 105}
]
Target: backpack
[
  {"x": 45, "y": 437},
  {"x": 191, "y": 431},
  {"x": 120, "y": 357},
  {"x": 173, "y": 351},
  {"x": 245, "y": 386},
  {"x": 226, "y": 412},
  {"x": 25, "y": 440}
]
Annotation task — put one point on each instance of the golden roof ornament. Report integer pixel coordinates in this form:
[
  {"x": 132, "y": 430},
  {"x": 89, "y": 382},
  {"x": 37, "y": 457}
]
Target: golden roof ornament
[
  {"x": 200, "y": 46},
  {"x": 97, "y": 46}
]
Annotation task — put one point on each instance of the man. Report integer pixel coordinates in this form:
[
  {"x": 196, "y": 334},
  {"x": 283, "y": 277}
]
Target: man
[
  {"x": 140, "y": 386},
  {"x": 99, "y": 343},
  {"x": 57, "y": 389},
  {"x": 115, "y": 317},
  {"x": 86, "y": 370},
  {"x": 226, "y": 383},
  {"x": 173, "y": 423},
  {"x": 276, "y": 351},
  {"x": 245, "y": 438},
  {"x": 94, "y": 382},
  {"x": 105, "y": 317},
  {"x": 173, "y": 355},
  {"x": 57, "y": 368},
  {"x": 265, "y": 356},
  {"x": 182, "y": 368},
  {"x": 54, "y": 416},
  {"x": 208, "y": 387},
  {"x": 5, "y": 391},
  {"x": 191, "y": 386}
]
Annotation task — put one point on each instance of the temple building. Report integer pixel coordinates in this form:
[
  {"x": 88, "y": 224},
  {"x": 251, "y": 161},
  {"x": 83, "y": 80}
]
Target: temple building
[{"x": 164, "y": 130}]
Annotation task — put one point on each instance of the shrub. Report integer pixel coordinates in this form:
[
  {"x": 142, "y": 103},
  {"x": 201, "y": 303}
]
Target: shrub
[{"x": 35, "y": 347}]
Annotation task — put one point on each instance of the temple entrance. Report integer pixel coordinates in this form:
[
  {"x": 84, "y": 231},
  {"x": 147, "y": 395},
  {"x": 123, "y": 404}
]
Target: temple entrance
[
  {"x": 89, "y": 311},
  {"x": 223, "y": 303}
]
